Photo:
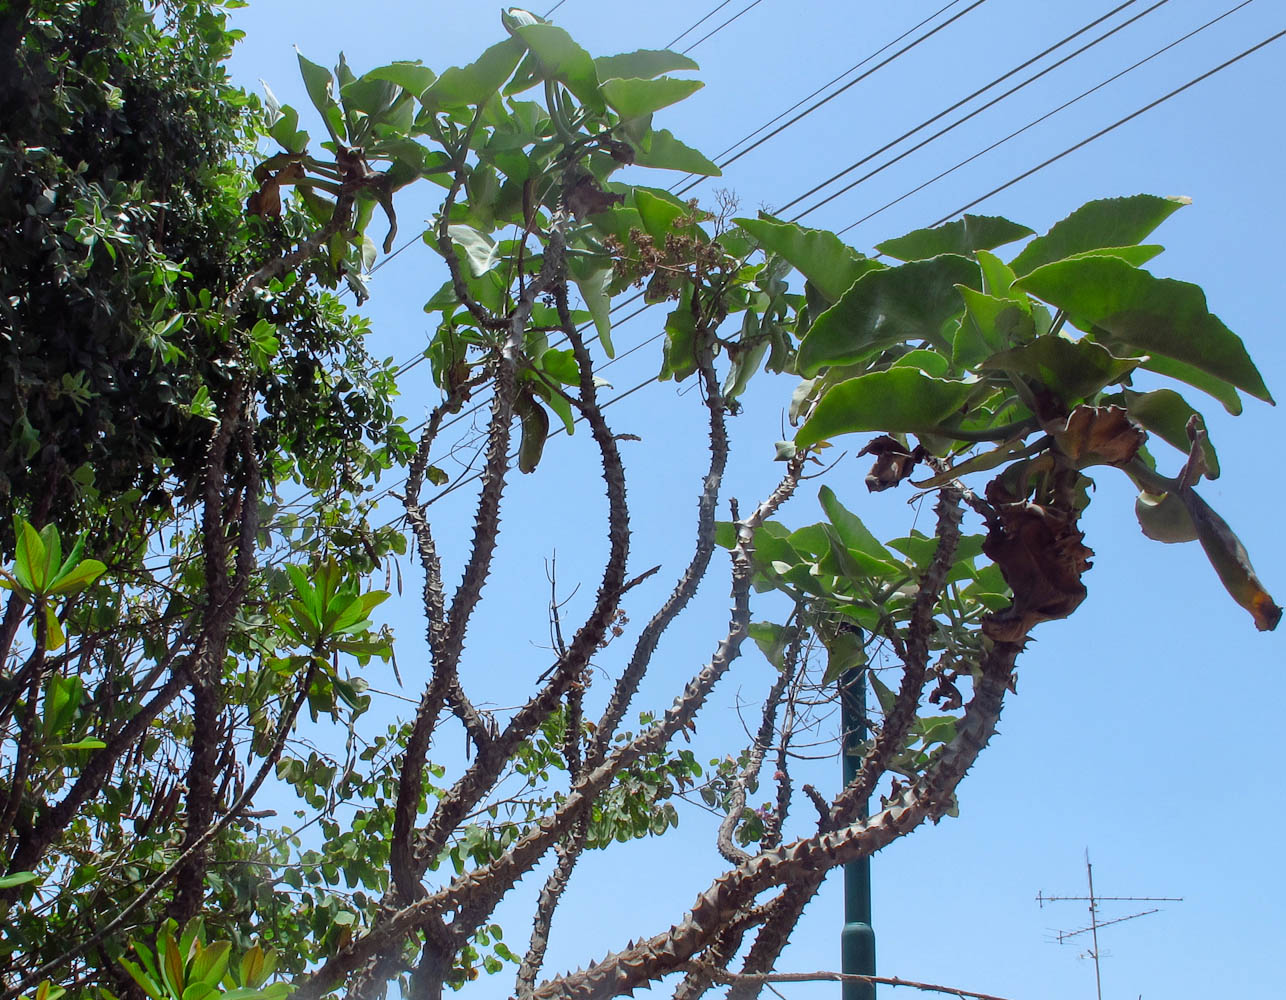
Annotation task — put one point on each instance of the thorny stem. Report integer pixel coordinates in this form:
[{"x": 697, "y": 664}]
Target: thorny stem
[
  {"x": 692, "y": 575},
  {"x": 750, "y": 773},
  {"x": 491, "y": 881},
  {"x": 761, "y": 979},
  {"x": 928, "y": 798}
]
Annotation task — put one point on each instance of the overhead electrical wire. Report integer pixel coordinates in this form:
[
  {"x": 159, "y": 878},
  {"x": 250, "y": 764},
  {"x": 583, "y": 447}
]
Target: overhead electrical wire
[
  {"x": 1115, "y": 125},
  {"x": 982, "y": 90},
  {"x": 696, "y": 24},
  {"x": 834, "y": 80},
  {"x": 710, "y": 34},
  {"x": 1036, "y": 121},
  {"x": 852, "y": 83}
]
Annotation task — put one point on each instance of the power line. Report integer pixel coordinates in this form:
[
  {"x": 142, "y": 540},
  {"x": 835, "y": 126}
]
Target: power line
[
  {"x": 834, "y": 80},
  {"x": 725, "y": 24},
  {"x": 1036, "y": 121},
  {"x": 965, "y": 100},
  {"x": 696, "y": 24},
  {"x": 852, "y": 83},
  {"x": 1115, "y": 125}
]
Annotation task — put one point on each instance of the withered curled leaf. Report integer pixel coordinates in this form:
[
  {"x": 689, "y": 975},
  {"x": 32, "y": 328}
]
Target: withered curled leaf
[
  {"x": 1041, "y": 553},
  {"x": 893, "y": 462},
  {"x": 584, "y": 197},
  {"x": 1099, "y": 435},
  {"x": 1231, "y": 561},
  {"x": 266, "y": 202}
]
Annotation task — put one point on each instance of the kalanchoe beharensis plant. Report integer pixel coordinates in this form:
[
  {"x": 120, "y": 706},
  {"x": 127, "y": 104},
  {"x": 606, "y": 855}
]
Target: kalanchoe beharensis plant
[{"x": 993, "y": 386}]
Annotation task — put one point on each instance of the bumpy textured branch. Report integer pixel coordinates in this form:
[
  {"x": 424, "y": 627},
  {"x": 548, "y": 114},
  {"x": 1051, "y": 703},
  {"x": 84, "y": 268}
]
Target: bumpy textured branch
[
  {"x": 568, "y": 851},
  {"x": 447, "y": 642},
  {"x": 491, "y": 881},
  {"x": 786, "y": 910},
  {"x": 339, "y": 221},
  {"x": 915, "y": 659},
  {"x": 750, "y": 773},
  {"x": 692, "y": 575},
  {"x": 645, "y": 961},
  {"x": 223, "y": 596},
  {"x": 762, "y": 979},
  {"x": 27, "y": 731}
]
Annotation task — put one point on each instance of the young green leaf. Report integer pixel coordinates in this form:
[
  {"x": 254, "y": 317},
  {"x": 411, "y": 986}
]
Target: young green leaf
[
  {"x": 820, "y": 256},
  {"x": 911, "y": 302},
  {"x": 897, "y": 400},
  {"x": 973, "y": 232},
  {"x": 1136, "y": 311},
  {"x": 1108, "y": 222}
]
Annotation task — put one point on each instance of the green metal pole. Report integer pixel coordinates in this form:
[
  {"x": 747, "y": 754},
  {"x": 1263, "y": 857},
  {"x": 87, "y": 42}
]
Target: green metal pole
[{"x": 857, "y": 939}]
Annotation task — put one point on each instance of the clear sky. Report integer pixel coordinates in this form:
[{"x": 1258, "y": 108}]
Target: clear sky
[{"x": 1146, "y": 728}]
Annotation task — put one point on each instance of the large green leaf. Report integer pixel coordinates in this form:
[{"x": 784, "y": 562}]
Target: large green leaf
[
  {"x": 643, "y": 64},
  {"x": 480, "y": 250},
  {"x": 317, "y": 81},
  {"x": 973, "y": 232},
  {"x": 912, "y": 302},
  {"x": 1166, "y": 414},
  {"x": 897, "y": 400},
  {"x": 658, "y": 213},
  {"x": 854, "y": 534},
  {"x": 820, "y": 256},
  {"x": 633, "y": 98},
  {"x": 662, "y": 151},
  {"x": 991, "y": 324},
  {"x": 1134, "y": 310},
  {"x": 593, "y": 280},
  {"x": 1071, "y": 369},
  {"x": 679, "y": 353},
  {"x": 564, "y": 60},
  {"x": 409, "y": 75},
  {"x": 476, "y": 83},
  {"x": 1108, "y": 222},
  {"x": 1195, "y": 377}
]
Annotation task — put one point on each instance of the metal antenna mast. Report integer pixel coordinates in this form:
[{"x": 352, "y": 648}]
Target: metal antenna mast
[{"x": 1095, "y": 922}]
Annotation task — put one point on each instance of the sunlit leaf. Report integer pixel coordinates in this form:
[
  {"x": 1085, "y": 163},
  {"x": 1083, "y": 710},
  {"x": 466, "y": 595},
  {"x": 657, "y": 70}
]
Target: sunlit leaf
[
  {"x": 1166, "y": 414},
  {"x": 911, "y": 302},
  {"x": 1107, "y": 222},
  {"x": 820, "y": 256},
  {"x": 1133, "y": 310},
  {"x": 973, "y": 232},
  {"x": 662, "y": 151},
  {"x": 897, "y": 400},
  {"x": 633, "y": 98},
  {"x": 1070, "y": 369},
  {"x": 643, "y": 64},
  {"x": 476, "y": 83},
  {"x": 564, "y": 60}
]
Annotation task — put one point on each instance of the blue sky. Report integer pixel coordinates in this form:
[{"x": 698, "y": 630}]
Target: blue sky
[{"x": 1146, "y": 728}]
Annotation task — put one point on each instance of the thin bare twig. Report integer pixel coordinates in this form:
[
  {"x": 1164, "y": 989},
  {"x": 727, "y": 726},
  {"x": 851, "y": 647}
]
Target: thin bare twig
[{"x": 765, "y": 978}]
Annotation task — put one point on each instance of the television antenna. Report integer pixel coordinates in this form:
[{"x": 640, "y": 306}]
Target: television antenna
[{"x": 1095, "y": 923}]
